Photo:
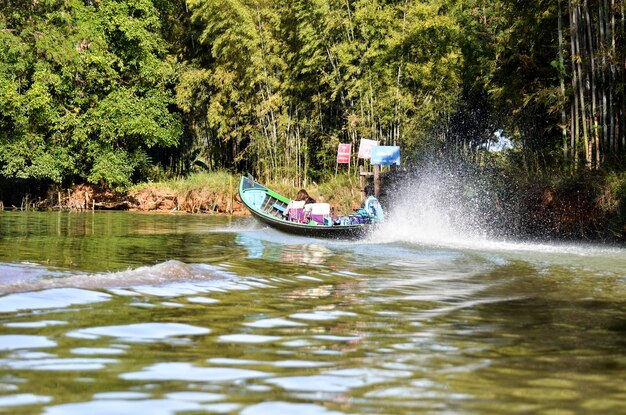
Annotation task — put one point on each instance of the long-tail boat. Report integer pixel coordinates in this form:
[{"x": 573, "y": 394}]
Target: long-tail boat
[{"x": 315, "y": 219}]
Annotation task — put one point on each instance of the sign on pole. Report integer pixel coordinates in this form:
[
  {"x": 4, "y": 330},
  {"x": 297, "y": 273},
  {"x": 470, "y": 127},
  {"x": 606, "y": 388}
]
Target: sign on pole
[
  {"x": 343, "y": 153},
  {"x": 365, "y": 148},
  {"x": 385, "y": 155}
]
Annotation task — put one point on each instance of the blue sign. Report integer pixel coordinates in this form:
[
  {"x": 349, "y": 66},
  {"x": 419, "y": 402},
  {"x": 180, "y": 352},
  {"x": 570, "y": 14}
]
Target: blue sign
[{"x": 385, "y": 155}]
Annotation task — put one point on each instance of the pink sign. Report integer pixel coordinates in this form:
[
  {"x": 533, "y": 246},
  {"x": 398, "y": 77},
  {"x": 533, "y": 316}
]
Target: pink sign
[
  {"x": 343, "y": 153},
  {"x": 365, "y": 148}
]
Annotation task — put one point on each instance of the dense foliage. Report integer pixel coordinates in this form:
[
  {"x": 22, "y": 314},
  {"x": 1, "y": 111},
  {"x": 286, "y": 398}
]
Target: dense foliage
[
  {"x": 110, "y": 91},
  {"x": 85, "y": 90}
]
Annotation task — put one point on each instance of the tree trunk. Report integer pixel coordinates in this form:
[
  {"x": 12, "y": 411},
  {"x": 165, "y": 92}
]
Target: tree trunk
[
  {"x": 580, "y": 86},
  {"x": 612, "y": 79},
  {"x": 592, "y": 81},
  {"x": 622, "y": 110},
  {"x": 562, "y": 84},
  {"x": 603, "y": 26}
]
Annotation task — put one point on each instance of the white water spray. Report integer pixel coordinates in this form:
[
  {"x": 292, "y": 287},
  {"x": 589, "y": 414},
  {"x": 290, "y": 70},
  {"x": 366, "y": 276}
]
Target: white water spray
[
  {"x": 434, "y": 208},
  {"x": 456, "y": 210}
]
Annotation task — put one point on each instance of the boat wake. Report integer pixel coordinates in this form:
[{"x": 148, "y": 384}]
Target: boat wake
[{"x": 32, "y": 277}]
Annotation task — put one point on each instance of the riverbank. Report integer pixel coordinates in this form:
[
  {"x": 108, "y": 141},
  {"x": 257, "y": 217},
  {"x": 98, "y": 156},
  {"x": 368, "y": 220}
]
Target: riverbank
[
  {"x": 208, "y": 193},
  {"x": 591, "y": 206},
  {"x": 585, "y": 207}
]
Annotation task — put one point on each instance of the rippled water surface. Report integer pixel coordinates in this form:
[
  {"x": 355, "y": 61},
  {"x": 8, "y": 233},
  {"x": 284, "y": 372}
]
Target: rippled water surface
[{"x": 121, "y": 313}]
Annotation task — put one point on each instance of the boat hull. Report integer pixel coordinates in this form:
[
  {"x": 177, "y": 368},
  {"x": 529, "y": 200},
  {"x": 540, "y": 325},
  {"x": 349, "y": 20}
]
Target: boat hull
[{"x": 265, "y": 205}]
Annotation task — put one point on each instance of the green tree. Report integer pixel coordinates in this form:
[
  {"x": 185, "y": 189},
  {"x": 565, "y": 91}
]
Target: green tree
[{"x": 88, "y": 82}]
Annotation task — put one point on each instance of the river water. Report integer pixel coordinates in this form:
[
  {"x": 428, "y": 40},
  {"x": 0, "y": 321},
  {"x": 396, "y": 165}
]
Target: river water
[{"x": 123, "y": 313}]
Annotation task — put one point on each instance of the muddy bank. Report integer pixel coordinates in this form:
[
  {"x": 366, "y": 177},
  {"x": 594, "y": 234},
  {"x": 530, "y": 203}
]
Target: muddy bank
[
  {"x": 146, "y": 199},
  {"x": 194, "y": 201},
  {"x": 582, "y": 208}
]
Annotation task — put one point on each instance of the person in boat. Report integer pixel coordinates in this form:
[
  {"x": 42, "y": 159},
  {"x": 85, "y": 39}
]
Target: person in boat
[{"x": 304, "y": 196}]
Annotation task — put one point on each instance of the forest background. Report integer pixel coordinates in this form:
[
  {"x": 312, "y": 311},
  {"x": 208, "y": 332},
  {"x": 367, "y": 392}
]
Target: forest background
[{"x": 120, "y": 92}]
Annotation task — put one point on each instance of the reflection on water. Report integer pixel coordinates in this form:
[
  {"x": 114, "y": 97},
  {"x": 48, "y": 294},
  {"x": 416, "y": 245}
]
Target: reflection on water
[
  {"x": 54, "y": 298},
  {"x": 139, "y": 332},
  {"x": 304, "y": 254},
  {"x": 117, "y": 313}
]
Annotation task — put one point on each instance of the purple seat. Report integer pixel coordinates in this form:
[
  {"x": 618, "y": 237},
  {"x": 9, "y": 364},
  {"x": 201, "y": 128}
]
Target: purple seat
[{"x": 295, "y": 211}]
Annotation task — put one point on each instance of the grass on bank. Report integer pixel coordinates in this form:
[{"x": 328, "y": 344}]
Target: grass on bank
[{"x": 342, "y": 191}]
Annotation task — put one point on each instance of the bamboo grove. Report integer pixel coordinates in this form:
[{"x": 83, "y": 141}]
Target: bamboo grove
[
  {"x": 120, "y": 91},
  {"x": 596, "y": 130}
]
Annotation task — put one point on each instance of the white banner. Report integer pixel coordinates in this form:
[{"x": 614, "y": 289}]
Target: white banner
[{"x": 365, "y": 148}]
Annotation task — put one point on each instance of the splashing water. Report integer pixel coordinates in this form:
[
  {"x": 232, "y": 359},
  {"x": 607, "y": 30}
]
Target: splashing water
[
  {"x": 448, "y": 208},
  {"x": 436, "y": 207}
]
